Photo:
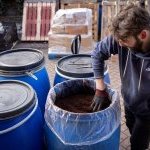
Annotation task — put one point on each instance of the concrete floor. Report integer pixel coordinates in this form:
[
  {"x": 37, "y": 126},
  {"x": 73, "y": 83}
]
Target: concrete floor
[{"x": 115, "y": 83}]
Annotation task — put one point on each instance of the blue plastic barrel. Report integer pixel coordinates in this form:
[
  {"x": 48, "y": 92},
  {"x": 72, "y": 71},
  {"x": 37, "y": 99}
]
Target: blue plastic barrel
[
  {"x": 26, "y": 65},
  {"x": 21, "y": 121},
  {"x": 77, "y": 66},
  {"x": 89, "y": 131}
]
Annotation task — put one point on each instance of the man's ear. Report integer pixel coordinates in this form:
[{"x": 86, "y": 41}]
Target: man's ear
[{"x": 144, "y": 35}]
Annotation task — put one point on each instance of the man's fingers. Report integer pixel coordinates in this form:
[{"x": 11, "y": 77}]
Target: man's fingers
[
  {"x": 99, "y": 107},
  {"x": 95, "y": 107},
  {"x": 93, "y": 104}
]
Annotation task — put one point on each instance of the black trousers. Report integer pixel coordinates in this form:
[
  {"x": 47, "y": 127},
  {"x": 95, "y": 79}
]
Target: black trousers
[{"x": 139, "y": 128}]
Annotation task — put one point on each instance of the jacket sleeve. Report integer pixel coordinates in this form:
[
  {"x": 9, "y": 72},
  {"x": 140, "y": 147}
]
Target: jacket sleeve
[{"x": 102, "y": 52}]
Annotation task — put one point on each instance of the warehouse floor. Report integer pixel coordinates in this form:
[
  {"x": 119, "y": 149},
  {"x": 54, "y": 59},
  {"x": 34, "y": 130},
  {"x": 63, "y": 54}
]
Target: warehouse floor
[{"x": 114, "y": 76}]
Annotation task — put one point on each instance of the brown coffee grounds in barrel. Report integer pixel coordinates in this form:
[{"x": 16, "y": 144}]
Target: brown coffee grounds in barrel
[{"x": 76, "y": 103}]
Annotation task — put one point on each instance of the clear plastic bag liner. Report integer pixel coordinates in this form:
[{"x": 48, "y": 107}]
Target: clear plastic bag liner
[{"x": 81, "y": 128}]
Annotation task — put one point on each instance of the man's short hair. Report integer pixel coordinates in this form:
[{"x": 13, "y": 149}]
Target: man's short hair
[{"x": 130, "y": 21}]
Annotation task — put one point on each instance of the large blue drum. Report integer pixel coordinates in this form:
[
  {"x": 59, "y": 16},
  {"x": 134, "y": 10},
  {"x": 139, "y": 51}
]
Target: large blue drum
[
  {"x": 67, "y": 130},
  {"x": 77, "y": 66},
  {"x": 21, "y": 121},
  {"x": 26, "y": 65}
]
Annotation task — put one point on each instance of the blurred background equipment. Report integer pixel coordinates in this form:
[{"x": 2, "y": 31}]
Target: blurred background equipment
[{"x": 8, "y": 35}]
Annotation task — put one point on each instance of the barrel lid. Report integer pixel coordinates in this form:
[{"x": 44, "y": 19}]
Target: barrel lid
[
  {"x": 78, "y": 66},
  {"x": 20, "y": 60},
  {"x": 15, "y": 98}
]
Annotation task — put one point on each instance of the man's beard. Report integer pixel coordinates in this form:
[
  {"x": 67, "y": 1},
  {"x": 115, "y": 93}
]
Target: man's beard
[{"x": 141, "y": 47}]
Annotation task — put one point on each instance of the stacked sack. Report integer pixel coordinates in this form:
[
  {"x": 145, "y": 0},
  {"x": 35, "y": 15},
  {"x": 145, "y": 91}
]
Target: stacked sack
[{"x": 66, "y": 24}]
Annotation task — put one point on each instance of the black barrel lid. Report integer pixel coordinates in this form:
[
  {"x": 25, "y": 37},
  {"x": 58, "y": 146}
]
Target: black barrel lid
[
  {"x": 15, "y": 98},
  {"x": 20, "y": 60},
  {"x": 77, "y": 66}
]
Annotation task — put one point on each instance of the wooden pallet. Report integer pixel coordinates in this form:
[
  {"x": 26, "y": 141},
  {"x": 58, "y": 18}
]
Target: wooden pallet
[
  {"x": 79, "y": 1},
  {"x": 37, "y": 21},
  {"x": 95, "y": 14},
  {"x": 109, "y": 10}
]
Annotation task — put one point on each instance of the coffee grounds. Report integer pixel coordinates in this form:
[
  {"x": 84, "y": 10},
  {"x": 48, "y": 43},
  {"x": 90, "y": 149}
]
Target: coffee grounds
[{"x": 80, "y": 103}]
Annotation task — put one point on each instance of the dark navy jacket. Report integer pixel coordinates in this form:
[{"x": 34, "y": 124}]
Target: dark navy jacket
[{"x": 134, "y": 73}]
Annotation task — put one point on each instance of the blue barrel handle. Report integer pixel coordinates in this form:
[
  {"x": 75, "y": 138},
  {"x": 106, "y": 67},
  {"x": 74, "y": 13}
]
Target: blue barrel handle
[{"x": 75, "y": 44}]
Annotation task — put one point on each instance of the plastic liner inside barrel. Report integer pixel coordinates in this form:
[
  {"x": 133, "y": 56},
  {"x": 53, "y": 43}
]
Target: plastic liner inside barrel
[{"x": 86, "y": 128}]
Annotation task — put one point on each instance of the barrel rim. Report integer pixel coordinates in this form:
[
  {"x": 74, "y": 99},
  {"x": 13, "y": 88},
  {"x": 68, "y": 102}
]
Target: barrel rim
[
  {"x": 51, "y": 100},
  {"x": 83, "y": 114},
  {"x": 7, "y": 69},
  {"x": 15, "y": 126},
  {"x": 23, "y": 107},
  {"x": 71, "y": 74}
]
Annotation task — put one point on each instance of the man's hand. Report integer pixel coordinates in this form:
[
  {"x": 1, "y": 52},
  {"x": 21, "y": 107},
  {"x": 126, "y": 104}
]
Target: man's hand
[{"x": 101, "y": 100}]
